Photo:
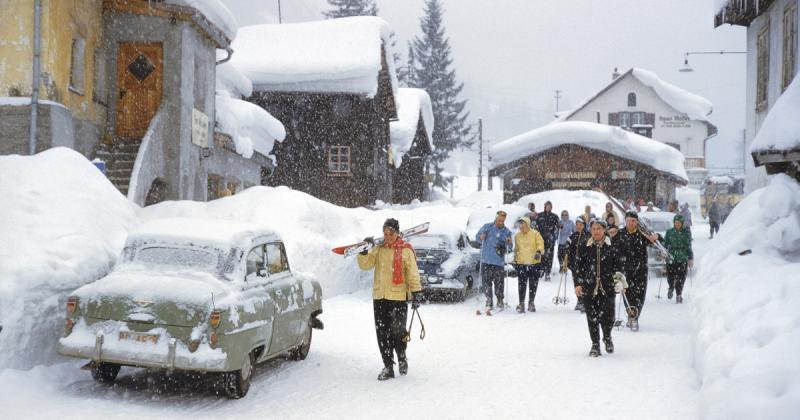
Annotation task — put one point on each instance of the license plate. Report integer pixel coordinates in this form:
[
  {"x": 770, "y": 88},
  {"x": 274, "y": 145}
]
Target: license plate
[{"x": 138, "y": 337}]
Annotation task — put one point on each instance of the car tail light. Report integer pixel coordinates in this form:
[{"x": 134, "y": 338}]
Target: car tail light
[
  {"x": 212, "y": 339},
  {"x": 215, "y": 316},
  {"x": 68, "y": 327},
  {"x": 72, "y": 304}
]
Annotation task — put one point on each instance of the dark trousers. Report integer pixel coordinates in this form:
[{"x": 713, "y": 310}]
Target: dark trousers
[
  {"x": 562, "y": 252},
  {"x": 547, "y": 258},
  {"x": 527, "y": 275},
  {"x": 637, "y": 287},
  {"x": 714, "y": 226},
  {"x": 390, "y": 327},
  {"x": 599, "y": 314},
  {"x": 676, "y": 276},
  {"x": 575, "y": 284},
  {"x": 492, "y": 275}
]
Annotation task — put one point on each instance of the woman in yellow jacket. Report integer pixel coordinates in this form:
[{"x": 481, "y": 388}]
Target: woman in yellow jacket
[
  {"x": 396, "y": 280},
  {"x": 528, "y": 249}
]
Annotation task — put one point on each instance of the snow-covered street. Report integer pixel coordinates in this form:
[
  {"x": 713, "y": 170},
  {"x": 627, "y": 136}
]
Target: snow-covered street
[{"x": 531, "y": 365}]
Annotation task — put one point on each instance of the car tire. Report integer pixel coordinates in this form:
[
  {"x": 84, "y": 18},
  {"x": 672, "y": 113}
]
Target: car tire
[
  {"x": 105, "y": 373},
  {"x": 301, "y": 351},
  {"x": 237, "y": 383}
]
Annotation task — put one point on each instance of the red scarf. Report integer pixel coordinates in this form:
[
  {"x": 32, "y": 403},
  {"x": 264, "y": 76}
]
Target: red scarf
[{"x": 397, "y": 264}]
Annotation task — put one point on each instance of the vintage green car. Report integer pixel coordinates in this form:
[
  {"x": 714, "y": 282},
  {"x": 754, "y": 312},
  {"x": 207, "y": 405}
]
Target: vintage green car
[{"x": 194, "y": 295}]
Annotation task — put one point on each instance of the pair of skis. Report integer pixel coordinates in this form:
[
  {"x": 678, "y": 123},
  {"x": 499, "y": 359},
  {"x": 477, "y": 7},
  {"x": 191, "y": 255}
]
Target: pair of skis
[{"x": 353, "y": 249}]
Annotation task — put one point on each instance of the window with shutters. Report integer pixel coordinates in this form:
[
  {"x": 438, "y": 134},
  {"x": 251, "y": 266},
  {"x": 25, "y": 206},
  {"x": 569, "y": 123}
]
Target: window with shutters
[
  {"x": 789, "y": 45},
  {"x": 637, "y": 118},
  {"x": 624, "y": 119},
  {"x": 339, "y": 160},
  {"x": 762, "y": 68},
  {"x": 77, "y": 68},
  {"x": 631, "y": 99}
]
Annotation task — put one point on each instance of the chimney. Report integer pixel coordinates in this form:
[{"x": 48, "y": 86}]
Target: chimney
[{"x": 615, "y": 74}]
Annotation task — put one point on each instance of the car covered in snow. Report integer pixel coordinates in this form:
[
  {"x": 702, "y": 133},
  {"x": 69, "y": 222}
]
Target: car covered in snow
[
  {"x": 659, "y": 222},
  {"x": 447, "y": 263},
  {"x": 194, "y": 295}
]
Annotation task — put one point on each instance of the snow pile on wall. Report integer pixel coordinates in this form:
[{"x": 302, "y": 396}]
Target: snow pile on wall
[
  {"x": 613, "y": 140},
  {"x": 251, "y": 127},
  {"x": 25, "y": 101},
  {"x": 337, "y": 55},
  {"x": 63, "y": 226},
  {"x": 216, "y": 13},
  {"x": 411, "y": 103},
  {"x": 781, "y": 128},
  {"x": 745, "y": 309},
  {"x": 695, "y": 106}
]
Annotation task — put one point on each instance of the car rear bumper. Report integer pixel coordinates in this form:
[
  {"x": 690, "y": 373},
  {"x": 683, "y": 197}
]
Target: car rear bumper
[
  {"x": 101, "y": 342},
  {"x": 446, "y": 285}
]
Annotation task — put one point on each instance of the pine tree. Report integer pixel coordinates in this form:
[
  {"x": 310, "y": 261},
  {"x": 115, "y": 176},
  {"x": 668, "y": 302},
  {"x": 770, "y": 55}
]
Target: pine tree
[
  {"x": 430, "y": 69},
  {"x": 345, "y": 8}
]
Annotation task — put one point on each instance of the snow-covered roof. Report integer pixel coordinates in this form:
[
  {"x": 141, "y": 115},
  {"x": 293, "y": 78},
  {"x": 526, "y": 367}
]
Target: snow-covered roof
[
  {"x": 780, "y": 131},
  {"x": 329, "y": 56},
  {"x": 224, "y": 234},
  {"x": 695, "y": 106},
  {"x": 613, "y": 140},
  {"x": 216, "y": 13},
  {"x": 411, "y": 104},
  {"x": 251, "y": 127}
]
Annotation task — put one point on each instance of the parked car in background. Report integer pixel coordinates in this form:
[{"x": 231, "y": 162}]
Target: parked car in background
[
  {"x": 194, "y": 295},
  {"x": 447, "y": 263},
  {"x": 659, "y": 222}
]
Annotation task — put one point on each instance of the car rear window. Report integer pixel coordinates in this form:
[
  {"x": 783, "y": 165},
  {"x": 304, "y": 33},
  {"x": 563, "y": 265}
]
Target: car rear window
[{"x": 193, "y": 258}]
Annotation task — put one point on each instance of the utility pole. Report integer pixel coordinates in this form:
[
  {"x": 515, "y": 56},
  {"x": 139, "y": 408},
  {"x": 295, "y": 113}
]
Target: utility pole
[
  {"x": 480, "y": 154},
  {"x": 558, "y": 96},
  {"x": 279, "y": 12}
]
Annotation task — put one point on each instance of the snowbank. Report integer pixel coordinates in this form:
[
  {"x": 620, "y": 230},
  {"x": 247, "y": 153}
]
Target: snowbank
[
  {"x": 251, "y": 127},
  {"x": 411, "y": 104},
  {"x": 781, "y": 128},
  {"x": 24, "y": 101},
  {"x": 216, "y": 13},
  {"x": 337, "y": 55},
  {"x": 572, "y": 201},
  {"x": 63, "y": 226},
  {"x": 613, "y": 140},
  {"x": 747, "y": 326}
]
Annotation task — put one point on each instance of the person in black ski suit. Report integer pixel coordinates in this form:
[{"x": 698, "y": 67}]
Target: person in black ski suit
[
  {"x": 576, "y": 239},
  {"x": 632, "y": 246},
  {"x": 547, "y": 223},
  {"x": 599, "y": 279}
]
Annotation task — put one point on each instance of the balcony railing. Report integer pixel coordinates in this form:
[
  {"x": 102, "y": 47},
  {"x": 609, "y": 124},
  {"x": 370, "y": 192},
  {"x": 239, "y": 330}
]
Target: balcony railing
[{"x": 691, "y": 162}]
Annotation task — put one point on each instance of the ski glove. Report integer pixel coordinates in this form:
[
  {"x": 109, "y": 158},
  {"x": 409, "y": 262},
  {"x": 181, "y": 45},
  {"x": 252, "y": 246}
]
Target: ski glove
[
  {"x": 370, "y": 241},
  {"x": 620, "y": 283},
  {"x": 416, "y": 299},
  {"x": 538, "y": 255}
]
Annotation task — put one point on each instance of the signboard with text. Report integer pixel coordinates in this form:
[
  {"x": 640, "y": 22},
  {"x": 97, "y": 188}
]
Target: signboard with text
[{"x": 199, "y": 128}]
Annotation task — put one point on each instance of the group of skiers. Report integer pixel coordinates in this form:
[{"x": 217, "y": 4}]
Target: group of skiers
[{"x": 605, "y": 260}]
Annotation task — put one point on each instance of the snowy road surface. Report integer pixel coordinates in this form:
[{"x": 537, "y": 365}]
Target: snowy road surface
[{"x": 506, "y": 366}]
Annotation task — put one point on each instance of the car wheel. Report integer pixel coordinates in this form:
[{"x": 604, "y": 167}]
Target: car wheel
[
  {"x": 301, "y": 351},
  {"x": 105, "y": 373},
  {"x": 237, "y": 383}
]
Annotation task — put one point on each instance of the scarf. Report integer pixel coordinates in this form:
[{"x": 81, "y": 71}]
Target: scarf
[{"x": 397, "y": 263}]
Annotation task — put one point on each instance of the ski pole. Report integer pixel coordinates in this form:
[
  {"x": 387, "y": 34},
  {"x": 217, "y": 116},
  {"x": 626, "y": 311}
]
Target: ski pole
[{"x": 660, "y": 280}]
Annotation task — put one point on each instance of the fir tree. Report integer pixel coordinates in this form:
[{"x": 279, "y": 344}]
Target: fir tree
[
  {"x": 345, "y": 8},
  {"x": 430, "y": 69}
]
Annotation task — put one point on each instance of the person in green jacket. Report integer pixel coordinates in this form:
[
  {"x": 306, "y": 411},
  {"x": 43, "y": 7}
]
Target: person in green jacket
[{"x": 678, "y": 242}]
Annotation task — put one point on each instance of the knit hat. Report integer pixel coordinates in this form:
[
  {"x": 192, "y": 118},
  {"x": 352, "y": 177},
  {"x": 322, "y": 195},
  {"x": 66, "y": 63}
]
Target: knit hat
[
  {"x": 598, "y": 222},
  {"x": 678, "y": 217},
  {"x": 392, "y": 224},
  {"x": 579, "y": 219}
]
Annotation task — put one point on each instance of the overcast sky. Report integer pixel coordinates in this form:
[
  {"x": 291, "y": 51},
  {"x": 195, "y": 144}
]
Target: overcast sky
[{"x": 513, "y": 54}]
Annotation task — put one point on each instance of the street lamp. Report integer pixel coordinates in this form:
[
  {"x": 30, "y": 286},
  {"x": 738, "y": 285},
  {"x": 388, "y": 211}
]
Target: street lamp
[{"x": 688, "y": 69}]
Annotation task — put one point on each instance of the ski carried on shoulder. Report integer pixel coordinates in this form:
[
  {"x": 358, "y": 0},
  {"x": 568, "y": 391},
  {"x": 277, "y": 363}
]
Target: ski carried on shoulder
[
  {"x": 644, "y": 229},
  {"x": 353, "y": 249}
]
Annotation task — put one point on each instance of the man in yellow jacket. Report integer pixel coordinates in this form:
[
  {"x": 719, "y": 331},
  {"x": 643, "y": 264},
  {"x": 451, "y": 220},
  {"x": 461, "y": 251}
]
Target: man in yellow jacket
[
  {"x": 528, "y": 250},
  {"x": 396, "y": 281}
]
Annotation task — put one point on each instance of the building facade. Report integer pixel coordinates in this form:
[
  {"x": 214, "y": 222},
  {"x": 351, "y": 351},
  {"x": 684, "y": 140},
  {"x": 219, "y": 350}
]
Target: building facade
[{"x": 773, "y": 58}]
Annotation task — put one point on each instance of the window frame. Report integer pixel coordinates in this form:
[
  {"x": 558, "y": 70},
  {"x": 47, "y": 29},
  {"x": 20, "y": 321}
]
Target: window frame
[
  {"x": 335, "y": 160},
  {"x": 284, "y": 261},
  {"x": 262, "y": 249},
  {"x": 789, "y": 66},
  {"x": 762, "y": 68},
  {"x": 632, "y": 103},
  {"x": 625, "y": 119}
]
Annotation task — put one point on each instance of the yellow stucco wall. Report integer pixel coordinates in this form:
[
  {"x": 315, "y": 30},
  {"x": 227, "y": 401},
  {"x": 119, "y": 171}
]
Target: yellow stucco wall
[{"x": 62, "y": 20}]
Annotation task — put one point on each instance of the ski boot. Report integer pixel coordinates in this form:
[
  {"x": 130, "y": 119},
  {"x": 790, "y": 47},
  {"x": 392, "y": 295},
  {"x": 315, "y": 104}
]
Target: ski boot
[
  {"x": 386, "y": 373},
  {"x": 403, "y": 365},
  {"x": 634, "y": 324},
  {"x": 670, "y": 292},
  {"x": 679, "y": 299},
  {"x": 531, "y": 307},
  {"x": 521, "y": 308},
  {"x": 595, "y": 351},
  {"x": 500, "y": 303},
  {"x": 609, "y": 345}
]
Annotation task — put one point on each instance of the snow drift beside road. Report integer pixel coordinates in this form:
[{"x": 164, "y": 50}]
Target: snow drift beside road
[
  {"x": 745, "y": 309},
  {"x": 63, "y": 225}
]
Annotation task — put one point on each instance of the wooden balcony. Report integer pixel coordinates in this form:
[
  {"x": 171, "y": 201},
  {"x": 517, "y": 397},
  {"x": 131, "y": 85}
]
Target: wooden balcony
[{"x": 691, "y": 162}]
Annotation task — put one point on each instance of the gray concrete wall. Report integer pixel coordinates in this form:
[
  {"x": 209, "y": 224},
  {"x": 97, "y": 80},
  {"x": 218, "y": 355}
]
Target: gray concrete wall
[{"x": 56, "y": 127}]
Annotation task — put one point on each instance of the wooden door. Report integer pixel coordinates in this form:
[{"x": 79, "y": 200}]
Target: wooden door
[{"x": 140, "y": 74}]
